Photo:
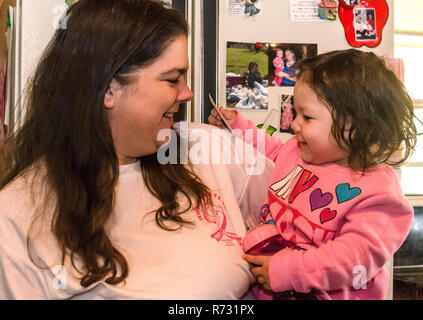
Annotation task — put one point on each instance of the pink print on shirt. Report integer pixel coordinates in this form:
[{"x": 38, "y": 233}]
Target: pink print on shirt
[
  {"x": 219, "y": 218},
  {"x": 294, "y": 225}
]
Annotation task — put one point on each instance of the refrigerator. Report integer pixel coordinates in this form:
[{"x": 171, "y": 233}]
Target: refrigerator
[{"x": 32, "y": 25}]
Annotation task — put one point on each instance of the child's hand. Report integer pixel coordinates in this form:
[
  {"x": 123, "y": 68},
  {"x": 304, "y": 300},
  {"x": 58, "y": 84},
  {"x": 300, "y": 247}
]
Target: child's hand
[
  {"x": 216, "y": 120},
  {"x": 261, "y": 269}
]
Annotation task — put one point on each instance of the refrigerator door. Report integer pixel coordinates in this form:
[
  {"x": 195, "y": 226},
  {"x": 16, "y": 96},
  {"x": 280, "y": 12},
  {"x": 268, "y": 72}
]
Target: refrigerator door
[{"x": 34, "y": 24}]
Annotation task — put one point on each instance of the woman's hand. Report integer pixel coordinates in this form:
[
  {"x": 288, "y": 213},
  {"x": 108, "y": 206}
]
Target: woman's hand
[
  {"x": 216, "y": 120},
  {"x": 282, "y": 74},
  {"x": 260, "y": 270}
]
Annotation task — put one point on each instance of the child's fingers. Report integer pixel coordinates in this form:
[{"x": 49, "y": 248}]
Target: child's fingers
[
  {"x": 262, "y": 281},
  {"x": 227, "y": 113},
  {"x": 260, "y": 269},
  {"x": 256, "y": 260},
  {"x": 215, "y": 114},
  {"x": 258, "y": 272},
  {"x": 216, "y": 121},
  {"x": 261, "y": 276},
  {"x": 214, "y": 118}
]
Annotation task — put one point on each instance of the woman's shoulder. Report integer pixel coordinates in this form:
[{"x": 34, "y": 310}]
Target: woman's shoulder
[
  {"x": 216, "y": 148},
  {"x": 17, "y": 188},
  {"x": 21, "y": 196},
  {"x": 16, "y": 210}
]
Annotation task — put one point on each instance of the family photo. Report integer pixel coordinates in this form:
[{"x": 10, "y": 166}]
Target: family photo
[
  {"x": 283, "y": 61},
  {"x": 364, "y": 24}
]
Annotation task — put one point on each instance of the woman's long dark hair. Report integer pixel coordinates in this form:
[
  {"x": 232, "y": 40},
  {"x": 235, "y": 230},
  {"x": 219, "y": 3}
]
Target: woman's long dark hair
[{"x": 66, "y": 129}]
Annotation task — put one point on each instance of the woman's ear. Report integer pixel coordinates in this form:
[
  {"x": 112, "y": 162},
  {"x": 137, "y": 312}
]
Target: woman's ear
[
  {"x": 109, "y": 100},
  {"x": 110, "y": 96}
]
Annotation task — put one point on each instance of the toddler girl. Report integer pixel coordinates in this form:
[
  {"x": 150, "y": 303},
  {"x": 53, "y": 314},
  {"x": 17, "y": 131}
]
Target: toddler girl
[
  {"x": 333, "y": 195},
  {"x": 278, "y": 63}
]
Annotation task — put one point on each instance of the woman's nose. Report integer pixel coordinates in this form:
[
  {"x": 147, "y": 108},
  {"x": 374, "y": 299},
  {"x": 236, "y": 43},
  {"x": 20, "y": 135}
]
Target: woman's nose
[{"x": 185, "y": 93}]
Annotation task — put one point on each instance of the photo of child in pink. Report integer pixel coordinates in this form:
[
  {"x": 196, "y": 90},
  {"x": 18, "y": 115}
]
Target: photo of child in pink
[
  {"x": 278, "y": 63},
  {"x": 333, "y": 195},
  {"x": 287, "y": 114}
]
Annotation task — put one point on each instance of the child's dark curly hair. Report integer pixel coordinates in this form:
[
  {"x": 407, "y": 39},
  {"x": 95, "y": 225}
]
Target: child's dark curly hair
[{"x": 371, "y": 110}]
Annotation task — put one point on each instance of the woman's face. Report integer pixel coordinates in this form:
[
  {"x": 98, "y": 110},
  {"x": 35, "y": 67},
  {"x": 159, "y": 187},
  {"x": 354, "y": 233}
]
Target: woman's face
[
  {"x": 139, "y": 111},
  {"x": 289, "y": 55}
]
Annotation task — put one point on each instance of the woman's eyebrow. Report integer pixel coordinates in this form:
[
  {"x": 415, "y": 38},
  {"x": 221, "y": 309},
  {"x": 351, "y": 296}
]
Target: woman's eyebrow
[{"x": 173, "y": 71}]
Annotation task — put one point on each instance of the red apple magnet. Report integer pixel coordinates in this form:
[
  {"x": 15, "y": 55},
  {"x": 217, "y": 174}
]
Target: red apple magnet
[{"x": 363, "y": 21}]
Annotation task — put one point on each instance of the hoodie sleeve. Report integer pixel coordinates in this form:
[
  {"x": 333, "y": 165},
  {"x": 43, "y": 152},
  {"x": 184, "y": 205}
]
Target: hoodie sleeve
[
  {"x": 373, "y": 231},
  {"x": 248, "y": 132}
]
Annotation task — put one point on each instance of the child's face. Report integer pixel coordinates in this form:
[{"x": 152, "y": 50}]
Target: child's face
[
  {"x": 279, "y": 53},
  {"x": 312, "y": 127}
]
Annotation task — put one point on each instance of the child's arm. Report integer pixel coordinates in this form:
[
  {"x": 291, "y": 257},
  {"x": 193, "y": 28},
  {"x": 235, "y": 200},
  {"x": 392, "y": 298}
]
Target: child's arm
[
  {"x": 248, "y": 132},
  {"x": 372, "y": 233}
]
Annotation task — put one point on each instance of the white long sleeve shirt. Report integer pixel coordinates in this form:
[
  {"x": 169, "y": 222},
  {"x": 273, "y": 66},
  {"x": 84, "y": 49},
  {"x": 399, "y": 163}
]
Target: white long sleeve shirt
[{"x": 203, "y": 261}]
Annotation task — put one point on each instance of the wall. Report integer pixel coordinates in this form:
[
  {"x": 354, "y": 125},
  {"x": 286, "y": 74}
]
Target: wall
[{"x": 408, "y": 15}]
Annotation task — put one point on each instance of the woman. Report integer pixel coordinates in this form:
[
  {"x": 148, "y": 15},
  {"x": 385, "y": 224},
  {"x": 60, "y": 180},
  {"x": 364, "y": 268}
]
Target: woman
[
  {"x": 86, "y": 209},
  {"x": 290, "y": 64}
]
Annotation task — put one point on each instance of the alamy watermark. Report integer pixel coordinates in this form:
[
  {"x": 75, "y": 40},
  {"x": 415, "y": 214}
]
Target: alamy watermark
[
  {"x": 60, "y": 277},
  {"x": 215, "y": 146},
  {"x": 360, "y": 280}
]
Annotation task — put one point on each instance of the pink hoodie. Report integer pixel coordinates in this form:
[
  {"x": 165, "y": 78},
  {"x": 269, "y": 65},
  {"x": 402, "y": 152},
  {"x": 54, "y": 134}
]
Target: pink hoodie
[{"x": 346, "y": 225}]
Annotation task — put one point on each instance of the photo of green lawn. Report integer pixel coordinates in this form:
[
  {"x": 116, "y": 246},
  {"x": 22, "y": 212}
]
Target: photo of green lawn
[
  {"x": 246, "y": 75},
  {"x": 239, "y": 55}
]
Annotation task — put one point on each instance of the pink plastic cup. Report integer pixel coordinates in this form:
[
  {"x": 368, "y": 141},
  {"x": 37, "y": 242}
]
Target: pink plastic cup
[{"x": 263, "y": 240}]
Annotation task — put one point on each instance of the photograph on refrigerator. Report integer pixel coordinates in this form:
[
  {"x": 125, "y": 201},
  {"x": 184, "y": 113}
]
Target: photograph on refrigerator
[
  {"x": 313, "y": 10},
  {"x": 287, "y": 113},
  {"x": 70, "y": 2},
  {"x": 246, "y": 75},
  {"x": 327, "y": 10},
  {"x": 246, "y": 8},
  {"x": 364, "y": 24},
  {"x": 2, "y": 106},
  {"x": 283, "y": 60}
]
